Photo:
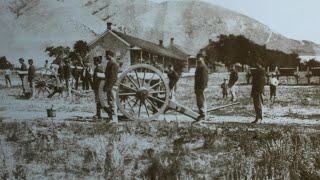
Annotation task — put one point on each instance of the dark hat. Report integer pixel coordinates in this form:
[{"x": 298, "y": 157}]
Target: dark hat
[
  {"x": 30, "y": 60},
  {"x": 109, "y": 53},
  {"x": 97, "y": 59},
  {"x": 21, "y": 59}
]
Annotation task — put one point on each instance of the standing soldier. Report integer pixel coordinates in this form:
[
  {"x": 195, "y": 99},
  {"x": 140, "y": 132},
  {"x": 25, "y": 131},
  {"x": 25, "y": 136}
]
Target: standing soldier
[
  {"x": 200, "y": 84},
  {"x": 67, "y": 74},
  {"x": 61, "y": 72},
  {"x": 273, "y": 86},
  {"x": 7, "y": 74},
  {"x": 224, "y": 88},
  {"x": 46, "y": 66},
  {"x": 76, "y": 76},
  {"x": 233, "y": 78},
  {"x": 23, "y": 67},
  {"x": 173, "y": 77},
  {"x": 258, "y": 83},
  {"x": 111, "y": 76},
  {"x": 96, "y": 83},
  {"x": 31, "y": 74},
  {"x": 86, "y": 77}
]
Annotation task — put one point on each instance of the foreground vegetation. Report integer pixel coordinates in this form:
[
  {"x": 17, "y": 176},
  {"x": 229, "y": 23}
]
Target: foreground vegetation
[{"x": 158, "y": 150}]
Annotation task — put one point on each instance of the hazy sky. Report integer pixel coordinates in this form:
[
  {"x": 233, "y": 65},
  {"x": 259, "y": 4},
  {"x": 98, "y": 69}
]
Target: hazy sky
[{"x": 297, "y": 19}]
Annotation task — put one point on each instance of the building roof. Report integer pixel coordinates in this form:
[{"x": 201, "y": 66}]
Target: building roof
[
  {"x": 143, "y": 44},
  {"x": 179, "y": 50}
]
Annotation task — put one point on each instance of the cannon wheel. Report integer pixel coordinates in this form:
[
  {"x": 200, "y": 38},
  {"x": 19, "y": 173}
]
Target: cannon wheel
[
  {"x": 142, "y": 93},
  {"x": 43, "y": 83}
]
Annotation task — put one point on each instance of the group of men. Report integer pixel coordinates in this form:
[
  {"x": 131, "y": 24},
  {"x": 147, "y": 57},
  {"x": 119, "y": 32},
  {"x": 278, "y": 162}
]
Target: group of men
[
  {"x": 30, "y": 75},
  {"x": 110, "y": 75},
  {"x": 258, "y": 83}
]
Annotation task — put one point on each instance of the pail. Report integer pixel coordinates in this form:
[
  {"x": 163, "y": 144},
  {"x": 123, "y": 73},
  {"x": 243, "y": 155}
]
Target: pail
[{"x": 51, "y": 112}]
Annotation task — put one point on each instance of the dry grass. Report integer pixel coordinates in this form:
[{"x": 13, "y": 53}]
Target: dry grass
[{"x": 158, "y": 150}]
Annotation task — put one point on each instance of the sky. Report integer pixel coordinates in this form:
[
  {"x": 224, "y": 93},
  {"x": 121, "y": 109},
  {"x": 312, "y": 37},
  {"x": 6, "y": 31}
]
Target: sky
[{"x": 296, "y": 19}]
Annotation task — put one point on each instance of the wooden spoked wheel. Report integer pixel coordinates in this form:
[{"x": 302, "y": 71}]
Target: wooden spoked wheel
[
  {"x": 44, "y": 82},
  {"x": 142, "y": 93}
]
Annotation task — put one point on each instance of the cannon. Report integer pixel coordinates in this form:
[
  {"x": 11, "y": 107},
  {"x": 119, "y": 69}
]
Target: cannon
[
  {"x": 45, "y": 80},
  {"x": 142, "y": 93}
]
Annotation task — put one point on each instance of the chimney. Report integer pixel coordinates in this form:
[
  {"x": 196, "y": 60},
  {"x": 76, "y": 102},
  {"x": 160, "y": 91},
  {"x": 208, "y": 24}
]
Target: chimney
[
  {"x": 171, "y": 41},
  {"x": 109, "y": 24},
  {"x": 161, "y": 43}
]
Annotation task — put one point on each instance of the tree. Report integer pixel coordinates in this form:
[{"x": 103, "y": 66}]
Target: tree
[
  {"x": 231, "y": 49},
  {"x": 4, "y": 63},
  {"x": 59, "y": 53},
  {"x": 81, "y": 47}
]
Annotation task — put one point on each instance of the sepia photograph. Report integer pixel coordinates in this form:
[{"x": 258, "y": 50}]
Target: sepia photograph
[{"x": 160, "y": 89}]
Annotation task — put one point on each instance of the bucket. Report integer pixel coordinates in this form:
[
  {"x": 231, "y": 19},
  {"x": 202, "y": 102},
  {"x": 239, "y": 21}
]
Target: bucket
[{"x": 51, "y": 112}]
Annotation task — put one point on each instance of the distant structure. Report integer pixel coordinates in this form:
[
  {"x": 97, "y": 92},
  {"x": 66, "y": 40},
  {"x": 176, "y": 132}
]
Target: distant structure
[
  {"x": 216, "y": 66},
  {"x": 183, "y": 52},
  {"x": 132, "y": 50},
  {"x": 305, "y": 58}
]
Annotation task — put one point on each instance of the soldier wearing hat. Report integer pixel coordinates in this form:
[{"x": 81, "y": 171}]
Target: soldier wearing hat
[
  {"x": 23, "y": 67},
  {"x": 173, "y": 76},
  {"x": 200, "y": 84},
  {"x": 67, "y": 73},
  {"x": 233, "y": 78},
  {"x": 224, "y": 88},
  {"x": 111, "y": 76},
  {"x": 258, "y": 83},
  {"x": 96, "y": 83},
  {"x": 31, "y": 73},
  {"x": 273, "y": 86}
]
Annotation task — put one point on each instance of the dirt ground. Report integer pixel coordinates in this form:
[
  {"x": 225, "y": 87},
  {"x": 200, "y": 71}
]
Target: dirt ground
[
  {"x": 293, "y": 105},
  {"x": 226, "y": 146}
]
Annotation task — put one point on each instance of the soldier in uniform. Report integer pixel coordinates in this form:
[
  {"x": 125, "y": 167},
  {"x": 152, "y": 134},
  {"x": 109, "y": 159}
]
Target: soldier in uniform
[
  {"x": 76, "y": 76},
  {"x": 200, "y": 84},
  {"x": 232, "y": 81},
  {"x": 173, "y": 77},
  {"x": 86, "y": 77},
  {"x": 111, "y": 76},
  {"x": 258, "y": 83},
  {"x": 23, "y": 67},
  {"x": 61, "y": 72},
  {"x": 96, "y": 83},
  {"x": 31, "y": 74},
  {"x": 67, "y": 73},
  {"x": 273, "y": 86}
]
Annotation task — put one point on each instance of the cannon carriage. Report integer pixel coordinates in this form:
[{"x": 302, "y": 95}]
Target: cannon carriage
[
  {"x": 45, "y": 79},
  {"x": 142, "y": 93}
]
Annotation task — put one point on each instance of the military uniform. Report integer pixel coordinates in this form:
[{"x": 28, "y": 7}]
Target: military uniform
[
  {"x": 95, "y": 87},
  {"x": 23, "y": 67},
  {"x": 31, "y": 75},
  {"x": 67, "y": 74},
  {"x": 86, "y": 77},
  {"x": 232, "y": 81},
  {"x": 173, "y": 78},
  {"x": 224, "y": 87},
  {"x": 61, "y": 72},
  {"x": 111, "y": 77},
  {"x": 200, "y": 84},
  {"x": 258, "y": 83},
  {"x": 273, "y": 87},
  {"x": 76, "y": 76}
]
